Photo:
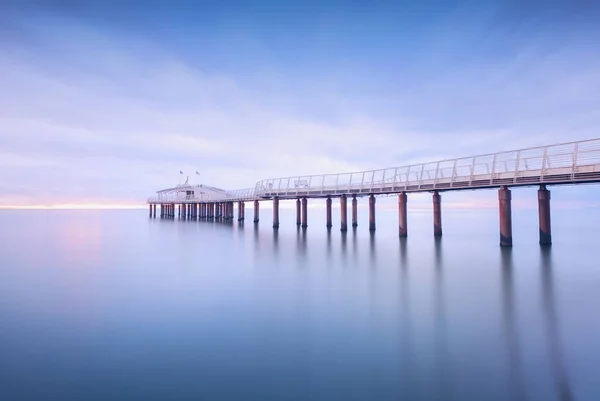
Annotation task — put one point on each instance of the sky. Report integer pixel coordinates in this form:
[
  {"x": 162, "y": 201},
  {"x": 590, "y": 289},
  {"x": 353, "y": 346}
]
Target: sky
[{"x": 105, "y": 102}]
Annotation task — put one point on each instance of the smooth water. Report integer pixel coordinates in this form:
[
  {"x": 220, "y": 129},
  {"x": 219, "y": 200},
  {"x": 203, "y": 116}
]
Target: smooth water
[{"x": 112, "y": 305}]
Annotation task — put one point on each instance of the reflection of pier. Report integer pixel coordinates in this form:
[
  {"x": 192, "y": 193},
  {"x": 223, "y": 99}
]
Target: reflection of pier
[
  {"x": 511, "y": 331},
  {"x": 559, "y": 372},
  {"x": 563, "y": 386}
]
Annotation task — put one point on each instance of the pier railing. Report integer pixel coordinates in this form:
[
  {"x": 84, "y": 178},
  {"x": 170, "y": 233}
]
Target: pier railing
[
  {"x": 179, "y": 197},
  {"x": 562, "y": 163}
]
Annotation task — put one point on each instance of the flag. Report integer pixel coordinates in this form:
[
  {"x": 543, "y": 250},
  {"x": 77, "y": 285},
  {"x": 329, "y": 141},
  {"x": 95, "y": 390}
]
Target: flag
[{"x": 180, "y": 172}]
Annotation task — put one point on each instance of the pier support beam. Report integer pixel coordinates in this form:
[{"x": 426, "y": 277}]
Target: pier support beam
[
  {"x": 256, "y": 211},
  {"x": 298, "y": 212},
  {"x": 241, "y": 211},
  {"x": 276, "y": 212},
  {"x": 544, "y": 215},
  {"x": 344, "y": 213},
  {"x": 402, "y": 215},
  {"x": 354, "y": 211},
  {"x": 328, "y": 212},
  {"x": 154, "y": 210},
  {"x": 162, "y": 210},
  {"x": 437, "y": 214},
  {"x": 504, "y": 200},
  {"x": 372, "y": 213},
  {"x": 150, "y": 210},
  {"x": 304, "y": 212},
  {"x": 211, "y": 211}
]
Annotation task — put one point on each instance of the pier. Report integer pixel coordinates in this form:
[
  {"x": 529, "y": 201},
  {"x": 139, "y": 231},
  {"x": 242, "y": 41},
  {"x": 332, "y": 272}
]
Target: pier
[{"x": 560, "y": 164}]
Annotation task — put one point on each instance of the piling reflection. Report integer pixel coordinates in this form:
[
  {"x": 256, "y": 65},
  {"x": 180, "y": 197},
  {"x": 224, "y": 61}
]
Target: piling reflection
[
  {"x": 354, "y": 251},
  {"x": 301, "y": 242},
  {"x": 407, "y": 360},
  {"x": 372, "y": 249},
  {"x": 256, "y": 237},
  {"x": 441, "y": 344},
  {"x": 344, "y": 243},
  {"x": 559, "y": 372},
  {"x": 511, "y": 332},
  {"x": 276, "y": 243}
]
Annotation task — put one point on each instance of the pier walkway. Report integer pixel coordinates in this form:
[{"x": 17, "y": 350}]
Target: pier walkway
[{"x": 565, "y": 163}]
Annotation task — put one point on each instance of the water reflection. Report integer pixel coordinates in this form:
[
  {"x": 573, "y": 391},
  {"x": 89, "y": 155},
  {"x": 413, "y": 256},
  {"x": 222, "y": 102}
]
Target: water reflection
[
  {"x": 559, "y": 372},
  {"x": 372, "y": 250},
  {"x": 276, "y": 242},
  {"x": 441, "y": 346},
  {"x": 344, "y": 241},
  {"x": 354, "y": 253},
  {"x": 511, "y": 332},
  {"x": 301, "y": 241}
]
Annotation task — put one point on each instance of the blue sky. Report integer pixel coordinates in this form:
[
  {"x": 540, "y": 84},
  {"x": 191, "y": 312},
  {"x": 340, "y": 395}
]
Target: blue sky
[{"x": 105, "y": 102}]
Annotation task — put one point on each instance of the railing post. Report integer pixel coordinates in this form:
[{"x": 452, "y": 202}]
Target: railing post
[
  {"x": 493, "y": 169},
  {"x": 574, "y": 167},
  {"x": 437, "y": 169},
  {"x": 472, "y": 168},
  {"x": 544, "y": 161},
  {"x": 517, "y": 166}
]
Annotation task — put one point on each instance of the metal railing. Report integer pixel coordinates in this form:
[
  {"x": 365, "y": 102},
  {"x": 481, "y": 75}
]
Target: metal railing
[
  {"x": 179, "y": 197},
  {"x": 554, "y": 164},
  {"x": 562, "y": 163}
]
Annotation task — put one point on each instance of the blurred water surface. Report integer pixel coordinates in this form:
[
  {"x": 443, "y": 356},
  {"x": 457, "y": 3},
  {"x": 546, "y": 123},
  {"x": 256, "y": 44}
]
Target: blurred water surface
[{"x": 99, "y": 305}]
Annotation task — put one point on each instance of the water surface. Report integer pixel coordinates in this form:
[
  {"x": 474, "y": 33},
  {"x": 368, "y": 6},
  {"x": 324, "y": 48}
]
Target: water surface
[{"x": 99, "y": 305}]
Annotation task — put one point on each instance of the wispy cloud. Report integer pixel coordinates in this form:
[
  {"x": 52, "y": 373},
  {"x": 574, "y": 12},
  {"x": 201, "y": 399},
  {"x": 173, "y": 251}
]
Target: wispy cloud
[{"x": 90, "y": 114}]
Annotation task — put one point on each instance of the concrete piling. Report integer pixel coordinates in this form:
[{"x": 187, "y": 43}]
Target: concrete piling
[
  {"x": 150, "y": 210},
  {"x": 256, "y": 211},
  {"x": 504, "y": 200},
  {"x": 344, "y": 213},
  {"x": 437, "y": 214},
  {"x": 328, "y": 212},
  {"x": 298, "y": 212},
  {"x": 240, "y": 210},
  {"x": 402, "y": 215},
  {"x": 544, "y": 215},
  {"x": 276, "y": 212},
  {"x": 354, "y": 211},
  {"x": 304, "y": 212},
  {"x": 372, "y": 213}
]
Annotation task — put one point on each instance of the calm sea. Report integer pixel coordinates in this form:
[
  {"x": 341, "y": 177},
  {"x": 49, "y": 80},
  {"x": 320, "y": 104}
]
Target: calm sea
[{"x": 112, "y": 305}]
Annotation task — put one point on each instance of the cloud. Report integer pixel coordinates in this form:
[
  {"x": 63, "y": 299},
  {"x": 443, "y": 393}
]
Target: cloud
[{"x": 89, "y": 114}]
